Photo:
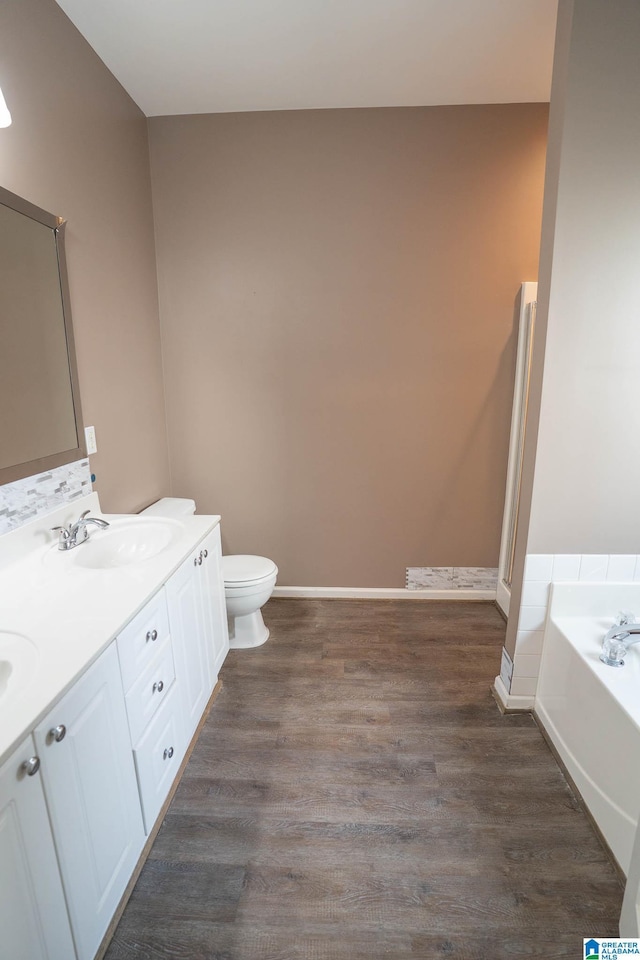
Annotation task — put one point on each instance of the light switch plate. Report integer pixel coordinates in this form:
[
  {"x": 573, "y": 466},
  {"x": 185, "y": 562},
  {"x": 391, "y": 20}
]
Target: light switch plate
[{"x": 90, "y": 440}]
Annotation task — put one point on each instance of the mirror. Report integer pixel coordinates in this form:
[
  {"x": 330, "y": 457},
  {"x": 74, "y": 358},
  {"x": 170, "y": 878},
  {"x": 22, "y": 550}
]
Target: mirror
[{"x": 40, "y": 419}]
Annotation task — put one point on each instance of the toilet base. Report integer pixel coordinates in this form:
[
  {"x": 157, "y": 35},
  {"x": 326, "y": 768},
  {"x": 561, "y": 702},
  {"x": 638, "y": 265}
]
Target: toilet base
[{"x": 249, "y": 630}]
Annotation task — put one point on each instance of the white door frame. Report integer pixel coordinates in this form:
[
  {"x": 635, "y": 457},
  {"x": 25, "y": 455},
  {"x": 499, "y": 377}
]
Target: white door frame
[{"x": 528, "y": 294}]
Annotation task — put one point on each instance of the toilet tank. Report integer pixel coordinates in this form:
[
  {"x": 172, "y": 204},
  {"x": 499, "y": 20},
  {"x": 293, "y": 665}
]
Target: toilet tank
[{"x": 174, "y": 507}]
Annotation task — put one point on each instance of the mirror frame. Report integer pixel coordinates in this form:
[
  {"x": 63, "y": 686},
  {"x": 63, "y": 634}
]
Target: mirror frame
[{"x": 40, "y": 465}]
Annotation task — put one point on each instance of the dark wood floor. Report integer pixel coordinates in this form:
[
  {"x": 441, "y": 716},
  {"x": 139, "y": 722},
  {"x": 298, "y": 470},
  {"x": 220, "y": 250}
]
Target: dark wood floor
[{"x": 355, "y": 794}]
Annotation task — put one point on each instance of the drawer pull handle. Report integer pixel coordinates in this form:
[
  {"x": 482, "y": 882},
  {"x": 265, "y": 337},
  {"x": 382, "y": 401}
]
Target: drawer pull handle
[
  {"x": 168, "y": 753},
  {"x": 159, "y": 686},
  {"x": 31, "y": 766},
  {"x": 152, "y": 635},
  {"x": 58, "y": 733}
]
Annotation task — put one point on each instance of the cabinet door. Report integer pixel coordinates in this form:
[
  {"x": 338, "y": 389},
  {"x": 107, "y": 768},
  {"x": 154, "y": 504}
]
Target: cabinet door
[
  {"x": 194, "y": 665},
  {"x": 212, "y": 598},
  {"x": 90, "y": 785},
  {"x": 33, "y": 915}
]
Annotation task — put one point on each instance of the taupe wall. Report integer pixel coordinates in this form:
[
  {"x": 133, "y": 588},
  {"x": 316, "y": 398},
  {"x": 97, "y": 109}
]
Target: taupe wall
[
  {"x": 78, "y": 147},
  {"x": 336, "y": 293},
  {"x": 582, "y": 461},
  {"x": 585, "y": 493}
]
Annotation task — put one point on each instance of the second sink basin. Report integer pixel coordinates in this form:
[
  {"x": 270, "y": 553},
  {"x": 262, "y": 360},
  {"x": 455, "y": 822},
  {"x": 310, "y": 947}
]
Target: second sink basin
[{"x": 126, "y": 542}]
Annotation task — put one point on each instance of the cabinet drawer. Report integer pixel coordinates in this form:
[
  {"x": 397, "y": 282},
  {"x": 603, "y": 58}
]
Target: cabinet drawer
[
  {"x": 158, "y": 756},
  {"x": 140, "y": 639},
  {"x": 150, "y": 690}
]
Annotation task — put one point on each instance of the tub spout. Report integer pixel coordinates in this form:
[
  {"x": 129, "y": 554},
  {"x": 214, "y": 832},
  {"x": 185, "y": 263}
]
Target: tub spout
[{"x": 618, "y": 639}]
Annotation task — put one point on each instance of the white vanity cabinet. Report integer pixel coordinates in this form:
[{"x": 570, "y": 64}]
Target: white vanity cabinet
[
  {"x": 33, "y": 914},
  {"x": 197, "y": 619},
  {"x": 78, "y": 792},
  {"x": 92, "y": 796}
]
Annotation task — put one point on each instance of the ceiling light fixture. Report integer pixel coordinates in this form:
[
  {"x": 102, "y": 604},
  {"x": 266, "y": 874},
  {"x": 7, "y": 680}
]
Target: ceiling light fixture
[{"x": 5, "y": 116}]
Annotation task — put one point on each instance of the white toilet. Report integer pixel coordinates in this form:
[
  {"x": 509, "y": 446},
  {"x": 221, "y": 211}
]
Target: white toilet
[{"x": 248, "y": 582}]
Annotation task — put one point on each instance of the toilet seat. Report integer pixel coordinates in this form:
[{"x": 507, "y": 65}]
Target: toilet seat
[{"x": 241, "y": 570}]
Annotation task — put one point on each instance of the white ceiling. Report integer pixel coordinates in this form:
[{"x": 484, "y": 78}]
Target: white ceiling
[{"x": 216, "y": 56}]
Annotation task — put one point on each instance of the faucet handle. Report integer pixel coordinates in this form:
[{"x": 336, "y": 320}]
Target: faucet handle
[
  {"x": 64, "y": 531},
  {"x": 614, "y": 650},
  {"x": 625, "y": 617}
]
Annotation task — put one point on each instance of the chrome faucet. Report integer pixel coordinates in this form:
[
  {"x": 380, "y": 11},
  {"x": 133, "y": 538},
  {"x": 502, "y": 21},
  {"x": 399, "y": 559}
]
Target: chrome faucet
[
  {"x": 616, "y": 641},
  {"x": 76, "y": 533}
]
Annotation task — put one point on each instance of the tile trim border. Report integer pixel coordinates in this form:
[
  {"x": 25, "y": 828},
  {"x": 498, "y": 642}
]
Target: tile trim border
[{"x": 451, "y": 578}]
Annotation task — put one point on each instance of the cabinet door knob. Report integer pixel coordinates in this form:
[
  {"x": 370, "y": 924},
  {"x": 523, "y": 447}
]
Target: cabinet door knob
[
  {"x": 206, "y": 553},
  {"x": 159, "y": 686},
  {"x": 195, "y": 561},
  {"x": 58, "y": 733},
  {"x": 199, "y": 560},
  {"x": 31, "y": 766},
  {"x": 152, "y": 635},
  {"x": 168, "y": 753}
]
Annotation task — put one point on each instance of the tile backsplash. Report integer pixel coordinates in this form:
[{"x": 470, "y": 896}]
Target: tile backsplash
[
  {"x": 540, "y": 571},
  {"x": 451, "y": 578},
  {"x": 24, "y": 500}
]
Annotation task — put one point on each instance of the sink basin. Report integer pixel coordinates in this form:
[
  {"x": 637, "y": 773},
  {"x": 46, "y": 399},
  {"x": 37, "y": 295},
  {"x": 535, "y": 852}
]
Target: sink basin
[
  {"x": 126, "y": 542},
  {"x": 18, "y": 658}
]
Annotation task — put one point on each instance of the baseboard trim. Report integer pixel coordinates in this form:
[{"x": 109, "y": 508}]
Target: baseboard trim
[
  {"x": 382, "y": 593},
  {"x": 507, "y": 702}
]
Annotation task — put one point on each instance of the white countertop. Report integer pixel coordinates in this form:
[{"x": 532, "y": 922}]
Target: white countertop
[{"x": 67, "y": 612}]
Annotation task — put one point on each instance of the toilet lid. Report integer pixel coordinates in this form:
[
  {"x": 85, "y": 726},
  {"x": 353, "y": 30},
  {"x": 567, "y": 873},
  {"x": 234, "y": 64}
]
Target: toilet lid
[{"x": 242, "y": 568}]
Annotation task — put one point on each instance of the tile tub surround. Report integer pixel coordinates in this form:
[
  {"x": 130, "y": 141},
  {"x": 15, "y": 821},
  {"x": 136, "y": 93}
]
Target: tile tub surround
[
  {"x": 24, "y": 500},
  {"x": 451, "y": 578},
  {"x": 540, "y": 571}
]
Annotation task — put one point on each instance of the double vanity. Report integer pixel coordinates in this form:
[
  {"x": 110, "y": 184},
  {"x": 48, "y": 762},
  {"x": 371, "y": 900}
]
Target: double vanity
[{"x": 109, "y": 656}]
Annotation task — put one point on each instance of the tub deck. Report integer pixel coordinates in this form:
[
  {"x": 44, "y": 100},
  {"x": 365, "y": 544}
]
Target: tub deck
[{"x": 590, "y": 711}]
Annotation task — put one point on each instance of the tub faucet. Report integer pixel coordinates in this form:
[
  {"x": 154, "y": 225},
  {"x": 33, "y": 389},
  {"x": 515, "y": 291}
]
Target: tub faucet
[
  {"x": 76, "y": 533},
  {"x": 617, "y": 640}
]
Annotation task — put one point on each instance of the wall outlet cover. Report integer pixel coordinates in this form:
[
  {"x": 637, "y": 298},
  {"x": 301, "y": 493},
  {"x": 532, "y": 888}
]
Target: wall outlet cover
[{"x": 90, "y": 440}]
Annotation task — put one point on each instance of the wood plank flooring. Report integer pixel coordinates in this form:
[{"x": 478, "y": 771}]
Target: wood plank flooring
[{"x": 356, "y": 795}]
